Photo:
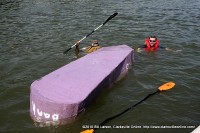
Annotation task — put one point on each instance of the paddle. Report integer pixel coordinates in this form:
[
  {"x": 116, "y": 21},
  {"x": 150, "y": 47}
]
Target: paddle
[
  {"x": 112, "y": 16},
  {"x": 163, "y": 87}
]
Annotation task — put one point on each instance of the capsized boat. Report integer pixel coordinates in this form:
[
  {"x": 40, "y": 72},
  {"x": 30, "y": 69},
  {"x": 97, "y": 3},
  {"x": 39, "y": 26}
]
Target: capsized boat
[{"x": 61, "y": 95}]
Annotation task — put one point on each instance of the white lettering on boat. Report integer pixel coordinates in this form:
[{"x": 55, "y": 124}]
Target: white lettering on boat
[
  {"x": 46, "y": 115},
  {"x": 37, "y": 111},
  {"x": 127, "y": 66}
]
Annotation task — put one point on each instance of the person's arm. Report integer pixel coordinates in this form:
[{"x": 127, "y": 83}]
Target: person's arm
[
  {"x": 165, "y": 48},
  {"x": 168, "y": 49},
  {"x": 84, "y": 48},
  {"x": 141, "y": 48},
  {"x": 77, "y": 50}
]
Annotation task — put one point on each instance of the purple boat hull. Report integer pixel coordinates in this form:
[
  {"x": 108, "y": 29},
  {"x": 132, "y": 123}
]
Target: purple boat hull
[{"x": 59, "y": 96}]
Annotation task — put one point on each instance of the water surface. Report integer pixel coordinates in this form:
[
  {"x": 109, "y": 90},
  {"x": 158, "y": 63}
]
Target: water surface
[{"x": 33, "y": 35}]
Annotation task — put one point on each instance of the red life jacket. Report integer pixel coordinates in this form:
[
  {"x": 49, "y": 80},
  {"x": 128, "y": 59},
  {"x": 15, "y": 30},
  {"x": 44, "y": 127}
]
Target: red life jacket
[{"x": 149, "y": 47}]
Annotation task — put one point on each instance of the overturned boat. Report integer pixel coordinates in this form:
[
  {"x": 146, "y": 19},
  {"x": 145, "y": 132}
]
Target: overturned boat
[{"x": 61, "y": 95}]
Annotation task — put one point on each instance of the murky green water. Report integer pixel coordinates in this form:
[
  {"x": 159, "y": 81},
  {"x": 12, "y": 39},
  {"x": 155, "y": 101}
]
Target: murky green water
[{"x": 33, "y": 35}]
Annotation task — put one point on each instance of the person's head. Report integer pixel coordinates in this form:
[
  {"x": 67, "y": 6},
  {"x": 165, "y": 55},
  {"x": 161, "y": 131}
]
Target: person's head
[
  {"x": 152, "y": 40},
  {"x": 95, "y": 43}
]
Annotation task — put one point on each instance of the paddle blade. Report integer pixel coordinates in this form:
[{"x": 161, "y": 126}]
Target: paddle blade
[
  {"x": 166, "y": 86},
  {"x": 67, "y": 50},
  {"x": 112, "y": 16},
  {"x": 88, "y": 131}
]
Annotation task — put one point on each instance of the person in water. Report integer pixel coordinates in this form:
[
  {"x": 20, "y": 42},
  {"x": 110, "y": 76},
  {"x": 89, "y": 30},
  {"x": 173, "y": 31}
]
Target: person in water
[
  {"x": 89, "y": 49},
  {"x": 152, "y": 44}
]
